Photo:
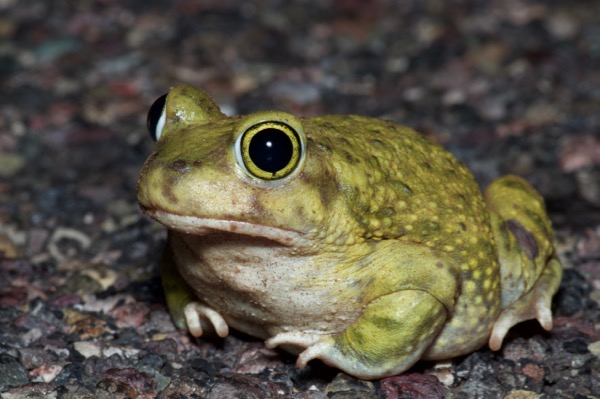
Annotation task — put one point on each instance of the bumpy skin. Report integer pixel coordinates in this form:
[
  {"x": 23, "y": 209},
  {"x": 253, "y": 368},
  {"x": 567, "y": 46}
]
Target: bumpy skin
[{"x": 378, "y": 251}]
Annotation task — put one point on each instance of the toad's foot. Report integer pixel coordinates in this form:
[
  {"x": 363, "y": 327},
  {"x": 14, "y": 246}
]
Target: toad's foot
[
  {"x": 533, "y": 305},
  {"x": 186, "y": 311},
  {"x": 384, "y": 341},
  {"x": 318, "y": 345},
  {"x": 197, "y": 314}
]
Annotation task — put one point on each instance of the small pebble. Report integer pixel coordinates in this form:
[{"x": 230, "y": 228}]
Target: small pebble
[
  {"x": 45, "y": 373},
  {"x": 519, "y": 394},
  {"x": 12, "y": 373},
  {"x": 594, "y": 348},
  {"x": 87, "y": 349}
]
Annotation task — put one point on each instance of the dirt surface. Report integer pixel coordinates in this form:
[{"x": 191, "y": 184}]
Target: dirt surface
[{"x": 508, "y": 86}]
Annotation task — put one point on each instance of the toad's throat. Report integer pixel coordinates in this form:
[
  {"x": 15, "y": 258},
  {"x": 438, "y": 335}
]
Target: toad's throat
[{"x": 202, "y": 226}]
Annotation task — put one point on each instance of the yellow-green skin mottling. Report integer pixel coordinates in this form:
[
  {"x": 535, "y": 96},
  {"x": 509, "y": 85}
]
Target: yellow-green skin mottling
[{"x": 378, "y": 251}]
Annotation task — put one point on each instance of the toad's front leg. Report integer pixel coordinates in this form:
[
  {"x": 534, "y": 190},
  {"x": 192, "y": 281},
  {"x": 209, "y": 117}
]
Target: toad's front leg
[
  {"x": 186, "y": 311},
  {"x": 389, "y": 337}
]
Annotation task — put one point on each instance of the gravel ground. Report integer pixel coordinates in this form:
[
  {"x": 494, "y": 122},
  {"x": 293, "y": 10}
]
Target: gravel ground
[{"x": 508, "y": 86}]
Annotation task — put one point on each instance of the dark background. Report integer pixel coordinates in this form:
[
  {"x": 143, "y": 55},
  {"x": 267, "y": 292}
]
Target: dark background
[{"x": 509, "y": 86}]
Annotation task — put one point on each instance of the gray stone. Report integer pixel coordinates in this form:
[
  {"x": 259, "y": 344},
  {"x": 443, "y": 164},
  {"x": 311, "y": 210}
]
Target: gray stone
[{"x": 12, "y": 372}]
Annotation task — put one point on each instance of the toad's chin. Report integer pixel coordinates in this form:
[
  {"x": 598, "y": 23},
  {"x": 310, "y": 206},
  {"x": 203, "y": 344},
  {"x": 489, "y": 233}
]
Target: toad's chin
[{"x": 202, "y": 226}]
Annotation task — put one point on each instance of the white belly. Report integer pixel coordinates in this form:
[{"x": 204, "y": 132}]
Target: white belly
[{"x": 261, "y": 287}]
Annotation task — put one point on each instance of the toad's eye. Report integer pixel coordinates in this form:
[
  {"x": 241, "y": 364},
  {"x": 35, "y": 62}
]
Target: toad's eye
[
  {"x": 156, "y": 117},
  {"x": 269, "y": 150}
]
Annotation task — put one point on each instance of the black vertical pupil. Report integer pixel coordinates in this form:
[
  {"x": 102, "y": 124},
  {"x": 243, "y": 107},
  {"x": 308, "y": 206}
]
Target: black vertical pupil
[
  {"x": 154, "y": 114},
  {"x": 271, "y": 150}
]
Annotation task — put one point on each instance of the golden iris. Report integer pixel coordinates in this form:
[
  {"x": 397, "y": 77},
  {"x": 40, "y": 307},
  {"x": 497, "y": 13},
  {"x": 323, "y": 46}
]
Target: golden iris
[{"x": 270, "y": 150}]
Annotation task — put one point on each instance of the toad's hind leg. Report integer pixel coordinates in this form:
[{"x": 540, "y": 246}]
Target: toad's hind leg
[
  {"x": 402, "y": 313},
  {"x": 529, "y": 269},
  {"x": 389, "y": 337},
  {"x": 535, "y": 304}
]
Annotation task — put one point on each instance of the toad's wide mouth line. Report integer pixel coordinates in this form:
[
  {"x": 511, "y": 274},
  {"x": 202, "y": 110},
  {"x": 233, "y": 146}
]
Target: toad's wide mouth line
[{"x": 202, "y": 226}]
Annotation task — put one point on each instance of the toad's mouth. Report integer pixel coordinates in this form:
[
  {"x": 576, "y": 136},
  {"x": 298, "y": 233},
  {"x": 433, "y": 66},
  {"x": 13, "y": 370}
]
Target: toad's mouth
[{"x": 202, "y": 226}]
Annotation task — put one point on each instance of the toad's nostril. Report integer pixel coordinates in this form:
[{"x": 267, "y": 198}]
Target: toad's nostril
[{"x": 180, "y": 166}]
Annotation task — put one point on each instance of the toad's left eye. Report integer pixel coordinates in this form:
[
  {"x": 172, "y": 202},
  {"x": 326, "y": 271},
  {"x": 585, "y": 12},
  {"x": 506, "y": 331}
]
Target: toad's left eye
[
  {"x": 269, "y": 150},
  {"x": 156, "y": 117}
]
